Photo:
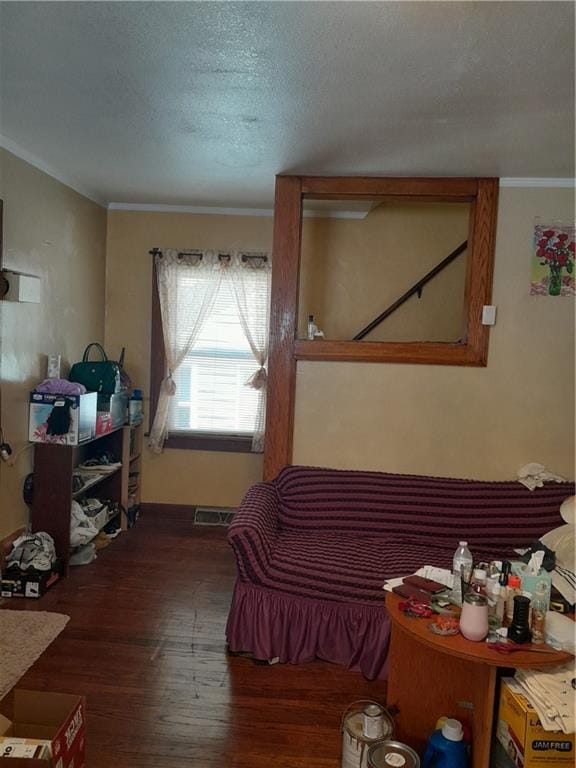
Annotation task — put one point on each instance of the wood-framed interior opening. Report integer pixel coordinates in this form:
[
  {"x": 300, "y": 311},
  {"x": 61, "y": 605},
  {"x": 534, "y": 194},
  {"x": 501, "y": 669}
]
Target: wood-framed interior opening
[{"x": 286, "y": 349}]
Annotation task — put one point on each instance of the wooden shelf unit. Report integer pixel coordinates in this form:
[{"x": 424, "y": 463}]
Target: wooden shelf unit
[
  {"x": 54, "y": 466},
  {"x": 132, "y": 465},
  {"x": 96, "y": 480}
]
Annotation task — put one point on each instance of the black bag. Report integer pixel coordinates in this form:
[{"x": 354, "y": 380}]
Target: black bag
[{"x": 102, "y": 376}]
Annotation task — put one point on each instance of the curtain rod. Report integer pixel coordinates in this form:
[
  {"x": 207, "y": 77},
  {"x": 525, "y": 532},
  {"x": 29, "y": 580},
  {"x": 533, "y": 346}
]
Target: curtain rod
[{"x": 222, "y": 256}]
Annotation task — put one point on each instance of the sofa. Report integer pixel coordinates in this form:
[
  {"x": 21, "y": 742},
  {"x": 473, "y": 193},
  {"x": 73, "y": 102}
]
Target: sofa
[{"x": 314, "y": 547}]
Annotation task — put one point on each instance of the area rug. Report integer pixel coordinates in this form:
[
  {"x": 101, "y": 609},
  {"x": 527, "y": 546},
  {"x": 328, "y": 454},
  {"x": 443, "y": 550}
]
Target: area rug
[{"x": 24, "y": 636}]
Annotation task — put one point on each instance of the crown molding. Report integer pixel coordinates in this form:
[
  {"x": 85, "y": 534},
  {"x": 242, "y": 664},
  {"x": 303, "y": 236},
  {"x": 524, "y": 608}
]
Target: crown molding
[
  {"x": 525, "y": 183},
  {"x": 31, "y": 159},
  {"x": 197, "y": 209},
  {"x": 218, "y": 211},
  {"x": 69, "y": 181}
]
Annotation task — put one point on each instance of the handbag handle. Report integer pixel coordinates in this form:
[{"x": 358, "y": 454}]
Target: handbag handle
[{"x": 89, "y": 347}]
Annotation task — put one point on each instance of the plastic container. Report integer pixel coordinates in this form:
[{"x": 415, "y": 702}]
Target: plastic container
[
  {"x": 496, "y": 605},
  {"x": 478, "y": 583},
  {"x": 446, "y": 747},
  {"x": 312, "y": 328},
  {"x": 461, "y": 570},
  {"x": 539, "y": 610},
  {"x": 135, "y": 407},
  {"x": 514, "y": 588}
]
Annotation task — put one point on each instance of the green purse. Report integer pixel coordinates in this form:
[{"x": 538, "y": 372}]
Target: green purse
[{"x": 102, "y": 376}]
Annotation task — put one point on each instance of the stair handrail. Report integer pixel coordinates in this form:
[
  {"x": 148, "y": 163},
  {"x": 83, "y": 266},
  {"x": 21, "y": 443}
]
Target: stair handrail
[{"x": 416, "y": 288}]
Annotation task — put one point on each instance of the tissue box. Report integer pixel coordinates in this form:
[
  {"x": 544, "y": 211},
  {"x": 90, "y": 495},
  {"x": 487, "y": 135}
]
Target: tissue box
[{"x": 529, "y": 583}]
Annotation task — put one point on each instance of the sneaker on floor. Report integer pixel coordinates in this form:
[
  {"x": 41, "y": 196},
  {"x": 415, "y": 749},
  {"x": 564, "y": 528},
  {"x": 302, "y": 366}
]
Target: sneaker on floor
[{"x": 32, "y": 551}]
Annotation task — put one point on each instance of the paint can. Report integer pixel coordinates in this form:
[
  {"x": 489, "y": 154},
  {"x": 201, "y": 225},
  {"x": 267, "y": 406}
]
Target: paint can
[
  {"x": 364, "y": 723},
  {"x": 392, "y": 754}
]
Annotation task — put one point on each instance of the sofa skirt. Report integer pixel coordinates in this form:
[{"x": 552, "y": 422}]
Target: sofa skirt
[{"x": 296, "y": 630}]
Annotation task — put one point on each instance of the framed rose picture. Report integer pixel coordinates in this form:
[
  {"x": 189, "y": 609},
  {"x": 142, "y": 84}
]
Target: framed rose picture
[{"x": 553, "y": 260}]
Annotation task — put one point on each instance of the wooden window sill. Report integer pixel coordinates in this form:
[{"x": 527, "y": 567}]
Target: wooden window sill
[{"x": 230, "y": 444}]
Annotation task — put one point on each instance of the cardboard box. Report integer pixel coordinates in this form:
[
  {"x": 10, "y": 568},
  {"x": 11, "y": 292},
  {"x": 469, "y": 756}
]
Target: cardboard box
[
  {"x": 519, "y": 731},
  {"x": 56, "y": 720},
  {"x": 34, "y": 584},
  {"x": 82, "y": 413},
  {"x": 116, "y": 406}
]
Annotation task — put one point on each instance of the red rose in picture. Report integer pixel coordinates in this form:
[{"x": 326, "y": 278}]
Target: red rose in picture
[
  {"x": 562, "y": 237},
  {"x": 561, "y": 259},
  {"x": 543, "y": 243},
  {"x": 549, "y": 233},
  {"x": 572, "y": 247}
]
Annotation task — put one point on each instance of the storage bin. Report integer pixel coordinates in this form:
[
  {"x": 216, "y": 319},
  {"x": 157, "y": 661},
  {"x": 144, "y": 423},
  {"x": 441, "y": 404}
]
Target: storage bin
[
  {"x": 116, "y": 406},
  {"x": 82, "y": 417}
]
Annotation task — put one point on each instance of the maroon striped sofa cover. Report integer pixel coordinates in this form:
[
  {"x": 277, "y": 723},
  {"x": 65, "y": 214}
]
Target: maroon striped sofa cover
[{"x": 314, "y": 547}]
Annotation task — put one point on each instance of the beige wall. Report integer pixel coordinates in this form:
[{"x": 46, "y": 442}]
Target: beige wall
[
  {"x": 352, "y": 269},
  {"x": 428, "y": 419},
  {"x": 471, "y": 422},
  {"x": 55, "y": 233},
  {"x": 465, "y": 422},
  {"x": 176, "y": 476}
]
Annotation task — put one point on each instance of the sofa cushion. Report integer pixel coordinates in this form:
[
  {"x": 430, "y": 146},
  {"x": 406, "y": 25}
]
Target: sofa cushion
[
  {"x": 333, "y": 566},
  {"x": 435, "y": 511}
]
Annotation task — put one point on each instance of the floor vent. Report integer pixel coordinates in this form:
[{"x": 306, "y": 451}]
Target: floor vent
[{"x": 213, "y": 516}]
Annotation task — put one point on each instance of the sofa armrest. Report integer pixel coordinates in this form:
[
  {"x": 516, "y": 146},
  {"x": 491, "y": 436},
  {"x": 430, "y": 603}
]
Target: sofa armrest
[{"x": 253, "y": 532}]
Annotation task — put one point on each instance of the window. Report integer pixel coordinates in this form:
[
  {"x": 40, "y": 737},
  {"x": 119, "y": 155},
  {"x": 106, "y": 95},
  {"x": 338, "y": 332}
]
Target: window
[
  {"x": 211, "y": 392},
  {"x": 216, "y": 307}
]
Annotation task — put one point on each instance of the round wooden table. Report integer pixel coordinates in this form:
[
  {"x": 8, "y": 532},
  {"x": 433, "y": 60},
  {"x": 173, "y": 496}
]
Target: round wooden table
[{"x": 430, "y": 676}]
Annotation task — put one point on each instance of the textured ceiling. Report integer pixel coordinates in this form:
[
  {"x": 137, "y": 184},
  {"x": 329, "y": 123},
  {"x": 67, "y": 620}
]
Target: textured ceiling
[{"x": 203, "y": 103}]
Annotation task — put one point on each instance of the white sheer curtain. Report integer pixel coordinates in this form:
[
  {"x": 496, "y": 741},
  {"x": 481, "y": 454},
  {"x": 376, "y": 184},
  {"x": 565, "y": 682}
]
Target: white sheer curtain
[
  {"x": 188, "y": 284},
  {"x": 250, "y": 275}
]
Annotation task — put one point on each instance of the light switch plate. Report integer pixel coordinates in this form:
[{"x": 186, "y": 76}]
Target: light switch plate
[{"x": 488, "y": 314}]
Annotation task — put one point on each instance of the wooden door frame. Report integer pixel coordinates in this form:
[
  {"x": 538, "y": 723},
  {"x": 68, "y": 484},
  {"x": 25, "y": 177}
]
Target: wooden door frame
[{"x": 286, "y": 349}]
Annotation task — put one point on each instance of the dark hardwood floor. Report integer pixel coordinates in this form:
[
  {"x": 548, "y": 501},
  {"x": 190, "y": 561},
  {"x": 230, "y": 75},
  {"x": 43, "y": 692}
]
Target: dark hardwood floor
[{"x": 146, "y": 645}]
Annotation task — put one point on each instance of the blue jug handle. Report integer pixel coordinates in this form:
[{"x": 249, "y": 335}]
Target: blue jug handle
[{"x": 429, "y": 757}]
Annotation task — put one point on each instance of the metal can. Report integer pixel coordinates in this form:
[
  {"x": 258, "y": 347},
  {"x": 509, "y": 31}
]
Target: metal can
[
  {"x": 392, "y": 754},
  {"x": 354, "y": 743}
]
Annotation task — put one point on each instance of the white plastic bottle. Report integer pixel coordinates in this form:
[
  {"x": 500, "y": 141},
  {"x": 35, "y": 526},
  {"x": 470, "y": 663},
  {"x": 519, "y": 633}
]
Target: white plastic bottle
[
  {"x": 312, "y": 328},
  {"x": 461, "y": 569}
]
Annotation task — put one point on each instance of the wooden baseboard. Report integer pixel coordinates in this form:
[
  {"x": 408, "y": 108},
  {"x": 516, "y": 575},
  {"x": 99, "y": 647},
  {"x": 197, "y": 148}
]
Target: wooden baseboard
[
  {"x": 176, "y": 511},
  {"x": 6, "y": 544}
]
